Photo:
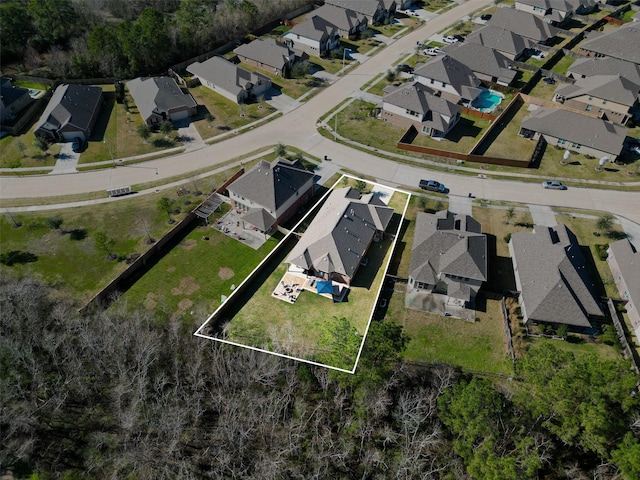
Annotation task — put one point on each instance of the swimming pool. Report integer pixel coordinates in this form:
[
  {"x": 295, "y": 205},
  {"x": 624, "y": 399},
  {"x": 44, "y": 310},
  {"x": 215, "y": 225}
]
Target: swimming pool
[{"x": 487, "y": 101}]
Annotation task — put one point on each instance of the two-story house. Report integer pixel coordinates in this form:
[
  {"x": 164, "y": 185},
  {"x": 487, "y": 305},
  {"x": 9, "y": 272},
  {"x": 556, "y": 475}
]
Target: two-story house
[
  {"x": 453, "y": 80},
  {"x": 315, "y": 36}
]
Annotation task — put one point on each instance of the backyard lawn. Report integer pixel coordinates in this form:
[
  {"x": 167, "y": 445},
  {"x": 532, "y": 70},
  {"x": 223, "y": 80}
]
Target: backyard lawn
[
  {"x": 227, "y": 115},
  {"x": 562, "y": 66}
]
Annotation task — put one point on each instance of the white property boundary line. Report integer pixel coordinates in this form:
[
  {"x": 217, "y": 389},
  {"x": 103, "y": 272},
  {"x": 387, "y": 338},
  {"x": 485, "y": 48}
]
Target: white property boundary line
[{"x": 268, "y": 257}]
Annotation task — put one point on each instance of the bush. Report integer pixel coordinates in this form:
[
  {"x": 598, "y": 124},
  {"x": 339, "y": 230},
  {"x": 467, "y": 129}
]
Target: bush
[
  {"x": 507, "y": 237},
  {"x": 601, "y": 250}
]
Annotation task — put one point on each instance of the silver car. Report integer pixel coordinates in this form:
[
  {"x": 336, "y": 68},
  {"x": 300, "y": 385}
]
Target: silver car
[{"x": 554, "y": 185}]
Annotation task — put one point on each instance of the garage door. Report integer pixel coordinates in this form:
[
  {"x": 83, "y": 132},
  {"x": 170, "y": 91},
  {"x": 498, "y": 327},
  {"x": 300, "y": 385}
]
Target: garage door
[
  {"x": 69, "y": 136},
  {"x": 184, "y": 114}
]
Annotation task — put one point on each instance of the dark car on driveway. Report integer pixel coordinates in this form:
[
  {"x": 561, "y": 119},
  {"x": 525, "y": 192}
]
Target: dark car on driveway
[
  {"x": 486, "y": 16},
  {"x": 403, "y": 67},
  {"x": 77, "y": 145},
  {"x": 432, "y": 186}
]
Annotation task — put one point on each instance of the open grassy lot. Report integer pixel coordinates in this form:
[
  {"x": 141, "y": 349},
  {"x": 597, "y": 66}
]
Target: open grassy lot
[
  {"x": 505, "y": 141},
  {"x": 69, "y": 257},
  {"x": 227, "y": 115},
  {"x": 478, "y": 346},
  {"x": 355, "y": 123},
  {"x": 195, "y": 273}
]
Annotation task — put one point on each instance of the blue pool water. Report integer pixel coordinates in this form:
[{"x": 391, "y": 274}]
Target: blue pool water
[{"x": 487, "y": 101}]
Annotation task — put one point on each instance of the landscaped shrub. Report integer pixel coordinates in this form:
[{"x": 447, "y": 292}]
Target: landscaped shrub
[
  {"x": 601, "y": 250},
  {"x": 507, "y": 237}
]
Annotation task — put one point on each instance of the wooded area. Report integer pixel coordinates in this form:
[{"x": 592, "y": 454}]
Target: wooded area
[
  {"x": 122, "y": 38},
  {"x": 117, "y": 394}
]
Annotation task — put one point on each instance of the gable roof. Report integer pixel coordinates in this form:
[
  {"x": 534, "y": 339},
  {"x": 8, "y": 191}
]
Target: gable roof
[
  {"x": 154, "y": 95},
  {"x": 260, "y": 218},
  {"x": 446, "y": 69},
  {"x": 554, "y": 279},
  {"x": 500, "y": 39},
  {"x": 562, "y": 5},
  {"x": 482, "y": 59},
  {"x": 10, "y": 93},
  {"x": 451, "y": 245},
  {"x": 71, "y": 104},
  {"x": 522, "y": 23},
  {"x": 591, "y": 66},
  {"x": 268, "y": 51},
  {"x": 612, "y": 88},
  {"x": 226, "y": 75},
  {"x": 591, "y": 132},
  {"x": 343, "y": 18},
  {"x": 628, "y": 260},
  {"x": 365, "y": 7},
  {"x": 435, "y": 112},
  {"x": 617, "y": 43},
  {"x": 270, "y": 185},
  {"x": 338, "y": 237},
  {"x": 314, "y": 28}
]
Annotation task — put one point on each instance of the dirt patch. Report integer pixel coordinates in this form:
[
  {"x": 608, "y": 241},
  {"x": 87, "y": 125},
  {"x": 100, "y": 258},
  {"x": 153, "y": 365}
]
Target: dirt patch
[
  {"x": 171, "y": 269},
  {"x": 184, "y": 304},
  {"x": 187, "y": 287},
  {"x": 226, "y": 273},
  {"x": 189, "y": 244},
  {"x": 150, "y": 301}
]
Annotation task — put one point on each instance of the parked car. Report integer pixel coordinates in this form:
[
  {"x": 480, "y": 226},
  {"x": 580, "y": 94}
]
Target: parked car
[
  {"x": 450, "y": 39},
  {"x": 77, "y": 144},
  {"x": 486, "y": 16},
  {"x": 554, "y": 185},
  {"x": 432, "y": 186},
  {"x": 549, "y": 80},
  {"x": 433, "y": 51},
  {"x": 459, "y": 38},
  {"x": 403, "y": 67}
]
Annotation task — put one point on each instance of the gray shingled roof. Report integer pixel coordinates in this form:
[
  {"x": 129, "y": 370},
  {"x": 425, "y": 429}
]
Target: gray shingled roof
[
  {"x": 226, "y": 75},
  {"x": 500, "y": 39},
  {"x": 522, "y": 23},
  {"x": 563, "y": 5},
  {"x": 342, "y": 18},
  {"x": 448, "y": 244},
  {"x": 573, "y": 127},
  {"x": 157, "y": 95},
  {"x": 591, "y": 66},
  {"x": 260, "y": 218},
  {"x": 612, "y": 88},
  {"x": 71, "y": 104},
  {"x": 555, "y": 282},
  {"x": 10, "y": 93},
  {"x": 446, "y": 69},
  {"x": 268, "y": 51},
  {"x": 419, "y": 98},
  {"x": 271, "y": 184},
  {"x": 482, "y": 59},
  {"x": 628, "y": 261},
  {"x": 314, "y": 28},
  {"x": 620, "y": 43},
  {"x": 365, "y": 7},
  {"x": 338, "y": 237}
]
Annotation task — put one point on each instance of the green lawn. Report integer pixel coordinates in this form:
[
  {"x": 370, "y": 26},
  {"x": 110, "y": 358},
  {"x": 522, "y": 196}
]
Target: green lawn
[
  {"x": 435, "y": 5},
  {"x": 562, "y": 66},
  {"x": 507, "y": 143},
  {"x": 227, "y": 115},
  {"x": 19, "y": 152}
]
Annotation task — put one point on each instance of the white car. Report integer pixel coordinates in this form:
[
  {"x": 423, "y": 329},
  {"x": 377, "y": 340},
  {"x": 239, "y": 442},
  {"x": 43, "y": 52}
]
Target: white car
[
  {"x": 554, "y": 185},
  {"x": 450, "y": 39},
  {"x": 433, "y": 51}
]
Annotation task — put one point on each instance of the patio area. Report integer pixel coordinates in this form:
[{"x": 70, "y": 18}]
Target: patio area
[
  {"x": 232, "y": 225},
  {"x": 294, "y": 282}
]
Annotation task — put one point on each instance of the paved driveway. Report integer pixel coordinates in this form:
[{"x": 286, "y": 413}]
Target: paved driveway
[
  {"x": 543, "y": 215},
  {"x": 67, "y": 160}
]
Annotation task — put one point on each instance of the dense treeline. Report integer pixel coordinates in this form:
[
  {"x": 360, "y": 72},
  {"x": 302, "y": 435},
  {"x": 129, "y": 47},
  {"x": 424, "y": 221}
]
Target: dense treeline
[
  {"x": 123, "y": 38},
  {"x": 129, "y": 395}
]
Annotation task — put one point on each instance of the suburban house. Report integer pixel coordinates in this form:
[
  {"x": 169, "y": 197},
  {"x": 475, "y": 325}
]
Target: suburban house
[
  {"x": 624, "y": 261},
  {"x": 270, "y": 193},
  {"x": 572, "y": 131},
  {"x": 335, "y": 244},
  {"x": 315, "y": 36},
  {"x": 502, "y": 40},
  {"x": 556, "y": 12},
  {"x": 552, "y": 278},
  {"x": 160, "y": 99},
  {"x": 71, "y": 112},
  {"x": 612, "y": 97},
  {"x": 229, "y": 80},
  {"x": 348, "y": 22},
  {"x": 448, "y": 257},
  {"x": 12, "y": 100},
  {"x": 615, "y": 43},
  {"x": 591, "y": 66},
  {"x": 270, "y": 55},
  {"x": 452, "y": 79},
  {"x": 375, "y": 11},
  {"x": 414, "y": 104},
  {"x": 487, "y": 64},
  {"x": 524, "y": 24}
]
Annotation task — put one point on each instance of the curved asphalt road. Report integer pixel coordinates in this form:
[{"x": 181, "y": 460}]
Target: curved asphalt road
[{"x": 298, "y": 128}]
